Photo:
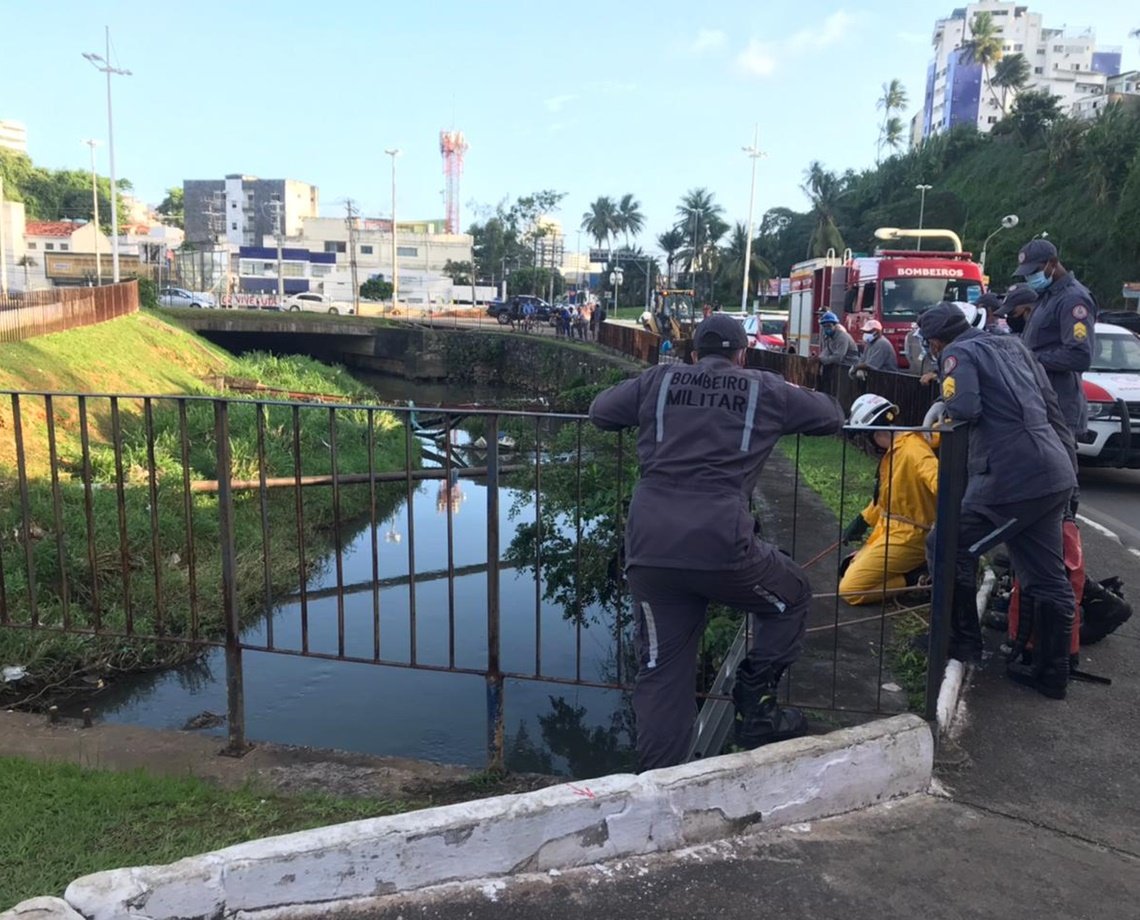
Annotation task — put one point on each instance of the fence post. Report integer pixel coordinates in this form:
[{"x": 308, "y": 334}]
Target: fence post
[
  {"x": 235, "y": 690},
  {"x": 495, "y": 738},
  {"x": 951, "y": 486}
]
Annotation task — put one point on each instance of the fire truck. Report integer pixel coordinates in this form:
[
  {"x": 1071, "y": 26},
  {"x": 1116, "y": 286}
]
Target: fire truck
[{"x": 893, "y": 286}]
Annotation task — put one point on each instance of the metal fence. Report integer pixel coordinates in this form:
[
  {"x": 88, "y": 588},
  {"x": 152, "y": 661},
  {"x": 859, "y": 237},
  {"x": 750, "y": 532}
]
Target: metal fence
[
  {"x": 153, "y": 527},
  {"x": 25, "y": 315}
]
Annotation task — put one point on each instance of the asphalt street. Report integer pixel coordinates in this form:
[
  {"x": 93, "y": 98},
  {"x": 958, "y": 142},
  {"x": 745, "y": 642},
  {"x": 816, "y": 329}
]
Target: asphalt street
[{"x": 1111, "y": 498}]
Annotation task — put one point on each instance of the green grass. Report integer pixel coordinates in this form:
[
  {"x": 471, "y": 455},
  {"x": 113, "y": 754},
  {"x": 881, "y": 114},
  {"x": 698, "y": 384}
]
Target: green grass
[
  {"x": 841, "y": 474},
  {"x": 59, "y": 821},
  {"x": 907, "y": 664}
]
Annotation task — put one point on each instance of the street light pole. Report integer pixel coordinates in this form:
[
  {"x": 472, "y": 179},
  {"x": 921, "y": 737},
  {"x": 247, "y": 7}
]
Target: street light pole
[
  {"x": 103, "y": 64},
  {"x": 1007, "y": 223},
  {"x": 922, "y": 190},
  {"x": 394, "y": 152},
  {"x": 754, "y": 153},
  {"x": 91, "y": 142}
]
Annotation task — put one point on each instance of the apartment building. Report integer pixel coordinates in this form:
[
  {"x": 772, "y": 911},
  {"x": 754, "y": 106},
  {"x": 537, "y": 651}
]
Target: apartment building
[{"x": 242, "y": 210}]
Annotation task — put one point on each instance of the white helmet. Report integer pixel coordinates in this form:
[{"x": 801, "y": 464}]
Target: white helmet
[
  {"x": 870, "y": 410},
  {"x": 975, "y": 315}
]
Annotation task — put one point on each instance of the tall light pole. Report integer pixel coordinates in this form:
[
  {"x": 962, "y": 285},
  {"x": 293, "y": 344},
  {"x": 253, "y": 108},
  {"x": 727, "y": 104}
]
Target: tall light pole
[
  {"x": 1007, "y": 223},
  {"x": 92, "y": 143},
  {"x": 103, "y": 64},
  {"x": 754, "y": 152},
  {"x": 922, "y": 190},
  {"x": 394, "y": 152}
]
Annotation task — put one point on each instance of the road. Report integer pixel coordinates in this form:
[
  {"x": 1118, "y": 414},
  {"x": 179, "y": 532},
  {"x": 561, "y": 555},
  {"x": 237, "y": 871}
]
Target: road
[{"x": 1111, "y": 498}]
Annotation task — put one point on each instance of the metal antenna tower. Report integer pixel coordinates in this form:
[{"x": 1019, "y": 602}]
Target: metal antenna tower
[{"x": 452, "y": 146}]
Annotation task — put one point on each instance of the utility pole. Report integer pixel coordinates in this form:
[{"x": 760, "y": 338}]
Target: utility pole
[
  {"x": 755, "y": 153},
  {"x": 350, "y": 222},
  {"x": 922, "y": 189},
  {"x": 394, "y": 152},
  {"x": 279, "y": 232},
  {"x": 95, "y": 212},
  {"x": 103, "y": 64}
]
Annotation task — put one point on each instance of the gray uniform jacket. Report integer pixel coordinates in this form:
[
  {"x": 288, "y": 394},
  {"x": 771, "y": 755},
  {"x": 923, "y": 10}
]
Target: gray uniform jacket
[
  {"x": 704, "y": 432},
  {"x": 1061, "y": 333},
  {"x": 838, "y": 349},
  {"x": 1015, "y": 452},
  {"x": 880, "y": 356}
]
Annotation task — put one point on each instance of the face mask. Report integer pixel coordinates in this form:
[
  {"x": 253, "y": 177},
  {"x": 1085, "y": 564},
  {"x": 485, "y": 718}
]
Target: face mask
[
  {"x": 1016, "y": 324},
  {"x": 829, "y": 331},
  {"x": 868, "y": 338},
  {"x": 1038, "y": 281}
]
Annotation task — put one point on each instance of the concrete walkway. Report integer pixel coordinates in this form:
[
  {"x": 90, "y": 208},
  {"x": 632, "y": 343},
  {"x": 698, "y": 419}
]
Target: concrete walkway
[{"x": 1041, "y": 819}]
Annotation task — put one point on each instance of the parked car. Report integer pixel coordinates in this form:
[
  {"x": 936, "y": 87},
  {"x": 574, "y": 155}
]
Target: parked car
[
  {"x": 311, "y": 300},
  {"x": 501, "y": 309},
  {"x": 767, "y": 330},
  {"x": 180, "y": 297},
  {"x": 1112, "y": 388}
]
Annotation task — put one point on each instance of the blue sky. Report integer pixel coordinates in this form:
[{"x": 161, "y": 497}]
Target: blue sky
[{"x": 588, "y": 98}]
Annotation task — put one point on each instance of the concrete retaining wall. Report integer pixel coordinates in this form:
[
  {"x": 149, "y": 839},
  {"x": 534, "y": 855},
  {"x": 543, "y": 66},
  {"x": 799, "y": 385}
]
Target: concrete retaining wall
[{"x": 559, "y": 827}]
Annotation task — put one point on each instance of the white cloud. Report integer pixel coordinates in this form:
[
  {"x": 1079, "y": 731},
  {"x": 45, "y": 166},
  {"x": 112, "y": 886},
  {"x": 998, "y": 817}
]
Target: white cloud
[
  {"x": 833, "y": 30},
  {"x": 757, "y": 60},
  {"x": 707, "y": 40},
  {"x": 557, "y": 103}
]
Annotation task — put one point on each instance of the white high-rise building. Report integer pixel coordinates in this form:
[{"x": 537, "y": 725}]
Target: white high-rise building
[
  {"x": 1069, "y": 66},
  {"x": 13, "y": 136}
]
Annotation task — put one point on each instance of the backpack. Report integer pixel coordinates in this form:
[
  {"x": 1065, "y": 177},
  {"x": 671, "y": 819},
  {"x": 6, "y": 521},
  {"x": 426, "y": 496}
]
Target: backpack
[{"x": 1103, "y": 608}]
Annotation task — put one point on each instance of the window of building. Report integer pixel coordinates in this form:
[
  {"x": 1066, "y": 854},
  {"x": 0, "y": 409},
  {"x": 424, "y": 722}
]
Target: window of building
[
  {"x": 49, "y": 246},
  {"x": 1057, "y": 49},
  {"x": 31, "y": 245},
  {"x": 365, "y": 250},
  {"x": 269, "y": 268},
  {"x": 1018, "y": 46},
  {"x": 992, "y": 119},
  {"x": 1039, "y": 70},
  {"x": 335, "y": 246},
  {"x": 409, "y": 252},
  {"x": 63, "y": 247},
  {"x": 233, "y": 226},
  {"x": 293, "y": 269},
  {"x": 319, "y": 270},
  {"x": 233, "y": 205}
]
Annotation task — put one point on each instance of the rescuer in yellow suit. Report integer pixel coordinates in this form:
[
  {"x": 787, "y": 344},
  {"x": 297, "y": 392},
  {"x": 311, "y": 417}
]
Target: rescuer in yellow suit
[{"x": 901, "y": 512}]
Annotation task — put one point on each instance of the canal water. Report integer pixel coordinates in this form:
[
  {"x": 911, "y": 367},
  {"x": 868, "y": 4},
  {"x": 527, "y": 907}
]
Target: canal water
[{"x": 399, "y": 711}]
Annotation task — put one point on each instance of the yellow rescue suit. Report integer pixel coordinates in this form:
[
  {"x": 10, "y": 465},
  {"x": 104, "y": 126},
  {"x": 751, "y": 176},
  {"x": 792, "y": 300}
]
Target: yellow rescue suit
[{"x": 901, "y": 514}]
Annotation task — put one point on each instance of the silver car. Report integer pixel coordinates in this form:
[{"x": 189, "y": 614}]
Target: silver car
[{"x": 180, "y": 297}]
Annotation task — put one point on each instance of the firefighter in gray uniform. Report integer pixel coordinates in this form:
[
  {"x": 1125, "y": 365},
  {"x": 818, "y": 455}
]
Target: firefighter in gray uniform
[
  {"x": 1020, "y": 473},
  {"x": 704, "y": 432},
  {"x": 1061, "y": 329}
]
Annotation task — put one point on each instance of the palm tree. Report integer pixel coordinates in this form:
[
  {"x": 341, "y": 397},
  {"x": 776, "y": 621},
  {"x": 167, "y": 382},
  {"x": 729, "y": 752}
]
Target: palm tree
[
  {"x": 629, "y": 217},
  {"x": 1011, "y": 73},
  {"x": 600, "y": 221},
  {"x": 894, "y": 99},
  {"x": 984, "y": 47},
  {"x": 699, "y": 218},
  {"x": 730, "y": 267},
  {"x": 26, "y": 262},
  {"x": 825, "y": 191},
  {"x": 670, "y": 243}
]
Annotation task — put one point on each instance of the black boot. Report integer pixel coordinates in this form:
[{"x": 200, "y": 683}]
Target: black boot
[
  {"x": 760, "y": 719},
  {"x": 1053, "y": 634},
  {"x": 965, "y": 630}
]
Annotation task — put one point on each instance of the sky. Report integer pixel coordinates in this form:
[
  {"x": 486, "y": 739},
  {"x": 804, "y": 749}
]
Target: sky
[{"x": 588, "y": 99}]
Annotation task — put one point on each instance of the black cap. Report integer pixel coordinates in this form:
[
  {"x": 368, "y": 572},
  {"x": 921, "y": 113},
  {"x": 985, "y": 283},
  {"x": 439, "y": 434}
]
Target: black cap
[
  {"x": 1033, "y": 256},
  {"x": 721, "y": 331},
  {"x": 989, "y": 301},
  {"x": 1017, "y": 296},
  {"x": 944, "y": 321}
]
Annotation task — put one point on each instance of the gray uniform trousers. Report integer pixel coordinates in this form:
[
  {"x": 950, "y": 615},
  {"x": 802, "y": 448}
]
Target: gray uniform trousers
[
  {"x": 1032, "y": 533},
  {"x": 669, "y": 608}
]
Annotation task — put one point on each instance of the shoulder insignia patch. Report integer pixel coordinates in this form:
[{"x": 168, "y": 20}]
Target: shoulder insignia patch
[
  {"x": 949, "y": 364},
  {"x": 1080, "y": 331},
  {"x": 1080, "y": 311},
  {"x": 948, "y": 388}
]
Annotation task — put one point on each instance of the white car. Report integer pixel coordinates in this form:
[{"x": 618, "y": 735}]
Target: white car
[
  {"x": 1112, "y": 388},
  {"x": 311, "y": 300},
  {"x": 766, "y": 331},
  {"x": 180, "y": 297}
]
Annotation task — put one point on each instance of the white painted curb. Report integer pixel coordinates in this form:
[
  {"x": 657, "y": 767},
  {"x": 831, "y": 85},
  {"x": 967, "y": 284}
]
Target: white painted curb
[
  {"x": 953, "y": 679},
  {"x": 554, "y": 828}
]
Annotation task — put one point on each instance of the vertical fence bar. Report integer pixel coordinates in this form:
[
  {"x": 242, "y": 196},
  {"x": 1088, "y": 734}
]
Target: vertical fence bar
[
  {"x": 375, "y": 541},
  {"x": 495, "y": 733},
  {"x": 450, "y": 491},
  {"x": 266, "y": 543},
  {"x": 121, "y": 501},
  {"x": 338, "y": 550},
  {"x": 155, "y": 541},
  {"x": 25, "y": 509},
  {"x": 89, "y": 514},
  {"x": 537, "y": 549},
  {"x": 578, "y": 556},
  {"x": 188, "y": 516},
  {"x": 411, "y": 506},
  {"x": 57, "y": 512},
  {"x": 235, "y": 691},
  {"x": 618, "y": 605},
  {"x": 838, "y": 576},
  {"x": 300, "y": 521},
  {"x": 951, "y": 487},
  {"x": 886, "y": 503}
]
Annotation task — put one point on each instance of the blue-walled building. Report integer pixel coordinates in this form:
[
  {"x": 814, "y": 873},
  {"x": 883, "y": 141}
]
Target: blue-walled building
[{"x": 301, "y": 269}]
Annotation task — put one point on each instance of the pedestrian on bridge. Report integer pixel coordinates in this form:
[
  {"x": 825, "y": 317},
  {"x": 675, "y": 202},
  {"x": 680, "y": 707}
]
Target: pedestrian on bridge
[{"x": 704, "y": 432}]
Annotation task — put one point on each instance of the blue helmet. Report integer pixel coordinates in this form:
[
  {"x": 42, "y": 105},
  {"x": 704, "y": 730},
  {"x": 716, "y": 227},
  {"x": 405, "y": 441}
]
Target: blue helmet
[{"x": 828, "y": 317}]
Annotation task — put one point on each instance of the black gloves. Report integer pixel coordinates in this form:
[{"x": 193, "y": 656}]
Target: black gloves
[{"x": 856, "y": 529}]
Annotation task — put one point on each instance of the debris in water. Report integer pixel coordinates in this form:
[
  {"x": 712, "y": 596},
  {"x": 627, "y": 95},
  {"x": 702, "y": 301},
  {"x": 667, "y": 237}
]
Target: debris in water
[
  {"x": 204, "y": 719},
  {"x": 11, "y": 673}
]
